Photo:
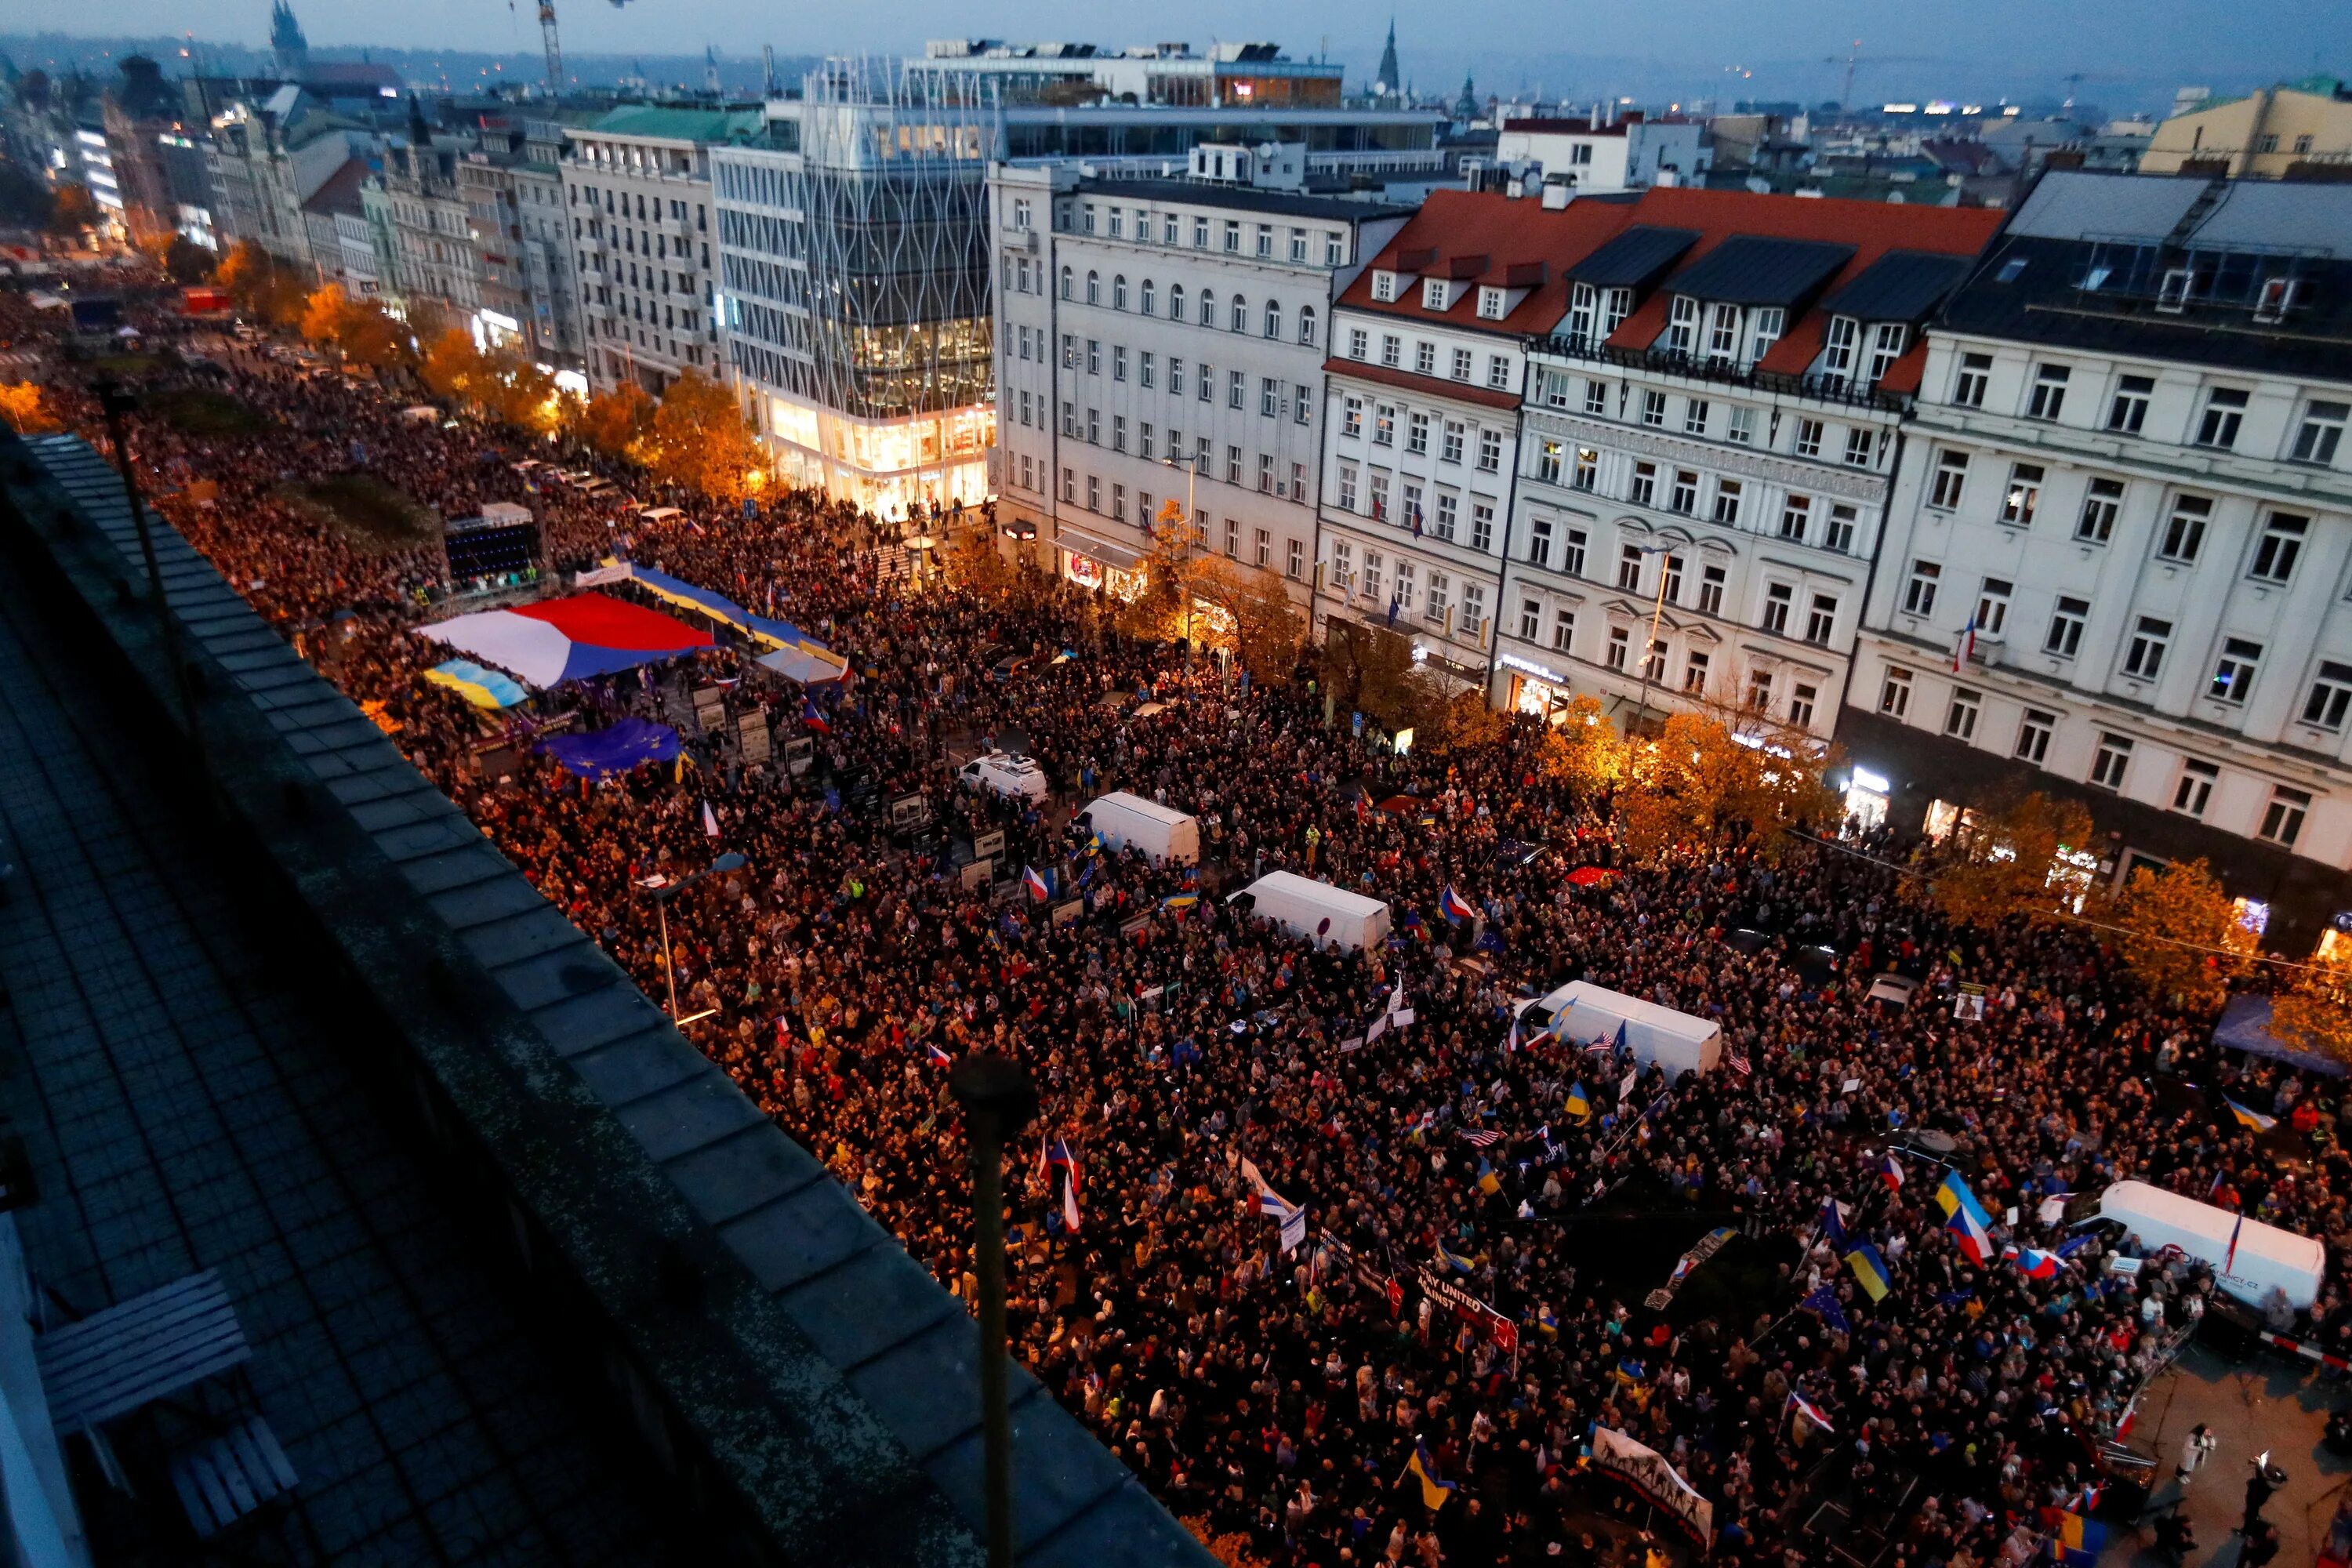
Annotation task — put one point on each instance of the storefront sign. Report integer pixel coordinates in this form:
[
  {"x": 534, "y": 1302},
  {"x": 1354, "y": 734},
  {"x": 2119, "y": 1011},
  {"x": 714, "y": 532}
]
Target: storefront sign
[
  {"x": 1513, "y": 662},
  {"x": 1084, "y": 569}
]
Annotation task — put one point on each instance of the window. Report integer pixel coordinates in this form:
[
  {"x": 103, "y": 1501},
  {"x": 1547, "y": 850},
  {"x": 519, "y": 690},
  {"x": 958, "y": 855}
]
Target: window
[
  {"x": 1119, "y": 361},
  {"x": 1118, "y": 289},
  {"x": 1587, "y": 472},
  {"x": 1770, "y": 322},
  {"x": 2065, "y": 638},
  {"x": 1919, "y": 590},
  {"x": 1351, "y": 416},
  {"x": 1820, "y": 621},
  {"x": 1695, "y": 413},
  {"x": 2025, "y": 495},
  {"x": 2100, "y": 504},
  {"x": 1838, "y": 535},
  {"x": 1951, "y": 479},
  {"x": 2330, "y": 696},
  {"x": 2225, "y": 408},
  {"x": 1093, "y": 493},
  {"x": 1596, "y": 399},
  {"x": 1643, "y": 488},
  {"x": 1094, "y": 427},
  {"x": 1118, "y": 503},
  {"x": 1302, "y": 404},
  {"x": 1563, "y": 627},
  {"x": 2049, "y": 392},
  {"x": 1450, "y": 452},
  {"x": 1065, "y": 283},
  {"x": 1548, "y": 461},
  {"x": 1297, "y": 481},
  {"x": 1433, "y": 603},
  {"x": 1482, "y": 530},
  {"x": 1759, "y": 690},
  {"x": 1837, "y": 351},
  {"x": 1695, "y": 672},
  {"x": 1969, "y": 385},
  {"x": 1727, "y": 502},
  {"x": 1147, "y": 302},
  {"x": 1237, "y": 318},
  {"x": 1654, "y": 409},
  {"x": 1306, "y": 325},
  {"x": 1498, "y": 372},
  {"x": 1628, "y": 568},
  {"x": 1391, "y": 348},
  {"x": 1809, "y": 437},
  {"x": 1383, "y": 425},
  {"x": 1380, "y": 493},
  {"x": 1233, "y": 538},
  {"x": 2144, "y": 655},
  {"x": 1205, "y": 384},
  {"x": 1619, "y": 641},
  {"x": 2234, "y": 672},
  {"x": 1653, "y": 668},
  {"x": 1346, "y": 487},
  {"x": 1416, "y": 437},
  {"x": 1460, "y": 364},
  {"x": 1118, "y": 432},
  {"x": 1233, "y": 465},
  {"x": 1359, "y": 342},
  {"x": 2184, "y": 531},
  {"x": 2128, "y": 410},
  {"x": 1266, "y": 483},
  {"x": 1672, "y": 587},
  {"x": 1094, "y": 288},
  {"x": 1684, "y": 495},
  {"x": 1236, "y": 389},
  {"x": 1530, "y": 620},
  {"x": 1779, "y": 599},
  {"x": 2321, "y": 432},
  {"x": 2033, "y": 734},
  {"x": 1993, "y": 607},
  {"x": 1740, "y": 426},
  {"x": 2280, "y": 544},
  {"x": 1233, "y": 237},
  {"x": 1710, "y": 590},
  {"x": 2282, "y": 818},
  {"x": 2195, "y": 790},
  {"x": 1069, "y": 486},
  {"x": 1144, "y": 443},
  {"x": 1859, "y": 442},
  {"x": 1473, "y": 612},
  {"x": 1490, "y": 450},
  {"x": 2112, "y": 760},
  {"x": 1682, "y": 329},
  {"x": 1895, "y": 692},
  {"x": 1410, "y": 515},
  {"x": 1424, "y": 357},
  {"x": 1801, "y": 704},
  {"x": 1887, "y": 341},
  {"x": 1960, "y": 715},
  {"x": 1175, "y": 376},
  {"x": 1269, "y": 397},
  {"x": 1723, "y": 333},
  {"x": 1273, "y": 318},
  {"x": 1295, "y": 561}
]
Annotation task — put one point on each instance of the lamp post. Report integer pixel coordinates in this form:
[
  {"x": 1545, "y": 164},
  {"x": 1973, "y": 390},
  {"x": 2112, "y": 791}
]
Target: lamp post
[
  {"x": 115, "y": 400},
  {"x": 1649, "y": 650},
  {"x": 1192, "y": 466},
  {"x": 998, "y": 1100},
  {"x": 661, "y": 889}
]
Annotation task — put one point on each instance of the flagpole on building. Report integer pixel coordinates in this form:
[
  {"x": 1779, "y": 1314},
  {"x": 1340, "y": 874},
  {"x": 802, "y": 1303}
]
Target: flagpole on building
[{"x": 998, "y": 1100}]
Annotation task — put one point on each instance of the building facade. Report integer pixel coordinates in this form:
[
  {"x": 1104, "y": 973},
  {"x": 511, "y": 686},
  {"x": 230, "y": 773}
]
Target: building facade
[
  {"x": 2120, "y": 549},
  {"x": 2300, "y": 129},
  {"x": 1164, "y": 341},
  {"x": 514, "y": 190},
  {"x": 1422, "y": 416},
  {"x": 423, "y": 228},
  {"x": 1711, "y": 436},
  {"x": 1596, "y": 156},
  {"x": 637, "y": 195}
]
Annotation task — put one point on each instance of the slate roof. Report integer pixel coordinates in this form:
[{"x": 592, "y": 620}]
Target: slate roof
[
  {"x": 1751, "y": 269},
  {"x": 1901, "y": 286},
  {"x": 1488, "y": 224},
  {"x": 1635, "y": 257}
]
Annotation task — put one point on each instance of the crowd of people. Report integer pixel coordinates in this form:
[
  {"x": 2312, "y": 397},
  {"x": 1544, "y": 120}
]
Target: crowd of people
[{"x": 1327, "y": 1404}]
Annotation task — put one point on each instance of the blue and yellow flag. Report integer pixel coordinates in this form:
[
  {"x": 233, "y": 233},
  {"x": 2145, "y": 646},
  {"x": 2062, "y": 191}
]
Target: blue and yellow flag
[
  {"x": 1871, "y": 1269},
  {"x": 1579, "y": 1106},
  {"x": 2247, "y": 1116},
  {"x": 2077, "y": 1541},
  {"x": 1434, "y": 1490},
  {"x": 1954, "y": 1196}
]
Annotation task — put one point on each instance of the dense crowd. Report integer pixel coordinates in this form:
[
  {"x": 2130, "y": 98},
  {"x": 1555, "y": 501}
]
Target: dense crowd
[{"x": 1186, "y": 1054}]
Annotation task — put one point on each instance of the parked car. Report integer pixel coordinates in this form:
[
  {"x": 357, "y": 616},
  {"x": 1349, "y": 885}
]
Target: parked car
[{"x": 1006, "y": 774}]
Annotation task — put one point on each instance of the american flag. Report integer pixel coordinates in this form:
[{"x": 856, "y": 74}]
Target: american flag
[
  {"x": 1480, "y": 1138},
  {"x": 1739, "y": 1063}
]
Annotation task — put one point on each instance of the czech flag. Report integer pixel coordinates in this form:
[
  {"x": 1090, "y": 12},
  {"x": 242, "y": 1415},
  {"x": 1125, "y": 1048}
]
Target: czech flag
[
  {"x": 1809, "y": 1410},
  {"x": 1579, "y": 1105},
  {"x": 2230, "y": 1259},
  {"x": 1968, "y": 1227},
  {"x": 2036, "y": 1264},
  {"x": 1890, "y": 1171},
  {"x": 1453, "y": 906},
  {"x": 937, "y": 1058},
  {"x": 2250, "y": 1118},
  {"x": 813, "y": 719},
  {"x": 1035, "y": 880},
  {"x": 1870, "y": 1269},
  {"x": 1954, "y": 1197},
  {"x": 1057, "y": 1153}
]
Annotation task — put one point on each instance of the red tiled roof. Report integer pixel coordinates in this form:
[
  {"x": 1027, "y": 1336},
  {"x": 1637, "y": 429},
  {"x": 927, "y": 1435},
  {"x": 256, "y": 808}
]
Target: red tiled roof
[
  {"x": 1873, "y": 228},
  {"x": 1507, "y": 234},
  {"x": 1430, "y": 385}
]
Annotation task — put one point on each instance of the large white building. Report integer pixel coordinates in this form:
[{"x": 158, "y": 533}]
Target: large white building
[
  {"x": 1163, "y": 340},
  {"x": 1421, "y": 416},
  {"x": 2120, "y": 548},
  {"x": 1711, "y": 434},
  {"x": 637, "y": 192},
  {"x": 1597, "y": 156}
]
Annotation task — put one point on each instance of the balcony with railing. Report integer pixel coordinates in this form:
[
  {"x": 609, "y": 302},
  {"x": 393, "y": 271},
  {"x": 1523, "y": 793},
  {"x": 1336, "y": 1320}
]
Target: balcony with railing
[{"x": 1843, "y": 391}]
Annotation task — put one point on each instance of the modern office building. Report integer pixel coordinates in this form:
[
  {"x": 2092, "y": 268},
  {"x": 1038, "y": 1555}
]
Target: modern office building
[
  {"x": 1230, "y": 75},
  {"x": 1422, "y": 413},
  {"x": 2119, "y": 553},
  {"x": 1711, "y": 434},
  {"x": 855, "y": 253},
  {"x": 1164, "y": 339},
  {"x": 637, "y": 192}
]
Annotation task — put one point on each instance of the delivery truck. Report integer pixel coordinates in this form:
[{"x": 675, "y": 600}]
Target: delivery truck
[
  {"x": 1131, "y": 822},
  {"x": 2250, "y": 1259},
  {"x": 1582, "y": 1013},
  {"x": 1305, "y": 907}
]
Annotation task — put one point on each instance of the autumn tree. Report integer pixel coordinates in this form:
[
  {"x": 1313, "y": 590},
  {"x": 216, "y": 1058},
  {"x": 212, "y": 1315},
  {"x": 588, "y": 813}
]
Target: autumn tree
[
  {"x": 699, "y": 440},
  {"x": 2181, "y": 933},
  {"x": 2315, "y": 1011},
  {"x": 1370, "y": 671},
  {"x": 73, "y": 210},
  {"x": 261, "y": 287},
  {"x": 325, "y": 315},
  {"x": 513, "y": 390},
  {"x": 974, "y": 562},
  {"x": 373, "y": 337},
  {"x": 612, "y": 423},
  {"x": 1252, "y": 616},
  {"x": 185, "y": 262},
  {"x": 1699, "y": 784},
  {"x": 2002, "y": 863},
  {"x": 1583, "y": 751},
  {"x": 452, "y": 366},
  {"x": 21, "y": 409}
]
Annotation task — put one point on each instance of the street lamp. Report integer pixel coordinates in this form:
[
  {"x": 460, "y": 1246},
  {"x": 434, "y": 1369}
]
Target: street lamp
[
  {"x": 998, "y": 1100},
  {"x": 1192, "y": 466},
  {"x": 661, "y": 889},
  {"x": 1650, "y": 653}
]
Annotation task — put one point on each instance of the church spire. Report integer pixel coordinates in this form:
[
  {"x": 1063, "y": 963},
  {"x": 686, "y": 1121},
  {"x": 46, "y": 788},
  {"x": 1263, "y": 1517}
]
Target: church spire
[{"x": 1389, "y": 80}]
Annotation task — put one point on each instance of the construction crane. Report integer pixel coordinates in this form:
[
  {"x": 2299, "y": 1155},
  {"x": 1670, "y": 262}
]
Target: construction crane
[{"x": 555, "y": 49}]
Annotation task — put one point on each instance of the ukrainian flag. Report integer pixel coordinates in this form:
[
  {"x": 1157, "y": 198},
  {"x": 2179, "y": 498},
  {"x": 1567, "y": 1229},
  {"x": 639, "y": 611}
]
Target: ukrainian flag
[
  {"x": 1422, "y": 1468},
  {"x": 1454, "y": 1260},
  {"x": 1179, "y": 900},
  {"x": 2250, "y": 1118},
  {"x": 2077, "y": 1541},
  {"x": 1954, "y": 1196},
  {"x": 1488, "y": 1182},
  {"x": 1870, "y": 1269},
  {"x": 1547, "y": 1321},
  {"x": 1579, "y": 1106}
]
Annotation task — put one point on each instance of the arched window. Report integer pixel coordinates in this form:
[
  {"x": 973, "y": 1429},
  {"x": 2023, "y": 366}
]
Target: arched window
[
  {"x": 1118, "y": 292},
  {"x": 1065, "y": 283},
  {"x": 1208, "y": 309},
  {"x": 1094, "y": 288},
  {"x": 1273, "y": 318},
  {"x": 1144, "y": 301},
  {"x": 1175, "y": 301},
  {"x": 1241, "y": 314},
  {"x": 1306, "y": 325}
]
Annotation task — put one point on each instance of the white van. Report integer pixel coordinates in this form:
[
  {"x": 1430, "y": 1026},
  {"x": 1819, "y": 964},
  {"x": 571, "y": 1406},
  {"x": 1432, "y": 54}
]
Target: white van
[
  {"x": 1007, "y": 773},
  {"x": 1584, "y": 1012},
  {"x": 1129, "y": 821},
  {"x": 1306, "y": 907},
  {"x": 2267, "y": 1258}
]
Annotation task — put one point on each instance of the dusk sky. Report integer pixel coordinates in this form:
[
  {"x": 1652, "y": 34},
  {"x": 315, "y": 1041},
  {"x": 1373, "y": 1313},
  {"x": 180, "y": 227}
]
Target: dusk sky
[{"x": 2125, "y": 49}]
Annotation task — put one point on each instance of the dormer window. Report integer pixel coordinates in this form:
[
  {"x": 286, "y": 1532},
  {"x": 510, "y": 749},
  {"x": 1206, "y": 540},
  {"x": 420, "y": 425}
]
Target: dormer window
[
  {"x": 1887, "y": 341},
  {"x": 1770, "y": 322},
  {"x": 1582, "y": 308},
  {"x": 1384, "y": 286},
  {"x": 1681, "y": 329},
  {"x": 1838, "y": 351},
  {"x": 1723, "y": 333},
  {"x": 2278, "y": 296},
  {"x": 1493, "y": 304},
  {"x": 1433, "y": 292},
  {"x": 2172, "y": 293},
  {"x": 1616, "y": 304}
]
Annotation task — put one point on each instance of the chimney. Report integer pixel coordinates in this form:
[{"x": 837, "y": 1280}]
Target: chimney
[{"x": 1556, "y": 194}]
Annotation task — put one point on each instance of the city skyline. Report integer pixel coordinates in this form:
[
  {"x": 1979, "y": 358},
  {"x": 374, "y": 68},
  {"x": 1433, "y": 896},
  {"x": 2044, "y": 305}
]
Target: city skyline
[{"x": 1918, "y": 48}]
